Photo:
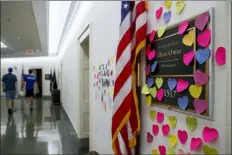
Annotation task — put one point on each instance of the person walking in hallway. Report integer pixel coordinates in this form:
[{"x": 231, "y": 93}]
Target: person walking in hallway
[
  {"x": 9, "y": 86},
  {"x": 30, "y": 81}
]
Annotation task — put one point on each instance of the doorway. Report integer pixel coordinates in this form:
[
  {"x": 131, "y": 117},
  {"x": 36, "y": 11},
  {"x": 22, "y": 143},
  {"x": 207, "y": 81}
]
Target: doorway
[{"x": 39, "y": 75}]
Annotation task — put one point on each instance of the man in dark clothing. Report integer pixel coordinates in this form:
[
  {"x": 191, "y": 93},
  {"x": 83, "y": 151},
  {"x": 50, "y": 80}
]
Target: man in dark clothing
[{"x": 9, "y": 86}]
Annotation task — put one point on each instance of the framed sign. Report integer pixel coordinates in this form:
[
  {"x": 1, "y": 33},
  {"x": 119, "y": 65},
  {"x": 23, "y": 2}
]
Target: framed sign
[
  {"x": 47, "y": 76},
  {"x": 170, "y": 50}
]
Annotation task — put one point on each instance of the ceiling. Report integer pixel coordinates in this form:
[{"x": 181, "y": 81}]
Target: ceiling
[{"x": 24, "y": 25}]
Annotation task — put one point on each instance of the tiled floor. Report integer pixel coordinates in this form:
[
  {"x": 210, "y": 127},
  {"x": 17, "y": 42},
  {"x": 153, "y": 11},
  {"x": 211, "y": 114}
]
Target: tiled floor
[{"x": 46, "y": 130}]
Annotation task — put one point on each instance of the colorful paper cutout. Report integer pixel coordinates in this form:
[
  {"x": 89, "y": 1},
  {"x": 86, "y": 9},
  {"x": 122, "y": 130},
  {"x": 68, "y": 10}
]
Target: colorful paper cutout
[
  {"x": 145, "y": 89},
  {"x": 189, "y": 38},
  {"x": 152, "y": 35},
  {"x": 183, "y": 102},
  {"x": 204, "y": 38},
  {"x": 191, "y": 123},
  {"x": 155, "y": 152},
  {"x": 195, "y": 143},
  {"x": 200, "y": 78},
  {"x": 153, "y": 66},
  {"x": 161, "y": 31},
  {"x": 181, "y": 152},
  {"x": 195, "y": 91},
  {"x": 183, "y": 136},
  {"x": 172, "y": 83},
  {"x": 152, "y": 114},
  {"x": 220, "y": 56},
  {"x": 153, "y": 92},
  {"x": 180, "y": 6},
  {"x": 160, "y": 117},
  {"x": 155, "y": 129},
  {"x": 167, "y": 16},
  {"x": 173, "y": 140},
  {"x": 202, "y": 20},
  {"x": 181, "y": 85},
  {"x": 151, "y": 55},
  {"x": 183, "y": 27},
  {"x": 209, "y": 151},
  {"x": 149, "y": 137},
  {"x": 162, "y": 150},
  {"x": 170, "y": 151},
  {"x": 160, "y": 94},
  {"x": 200, "y": 105},
  {"x": 172, "y": 121},
  {"x": 202, "y": 55},
  {"x": 168, "y": 4},
  {"x": 150, "y": 82},
  {"x": 148, "y": 100},
  {"x": 147, "y": 69},
  {"x": 165, "y": 129},
  {"x": 159, "y": 12},
  {"x": 209, "y": 134},
  {"x": 159, "y": 82},
  {"x": 188, "y": 57}
]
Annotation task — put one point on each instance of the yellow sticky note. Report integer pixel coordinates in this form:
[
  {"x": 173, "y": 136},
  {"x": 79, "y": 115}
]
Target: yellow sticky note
[
  {"x": 180, "y": 6},
  {"x": 153, "y": 92},
  {"x": 189, "y": 38},
  {"x": 155, "y": 152},
  {"x": 112, "y": 92},
  {"x": 159, "y": 82},
  {"x": 170, "y": 151},
  {"x": 145, "y": 89},
  {"x": 152, "y": 114},
  {"x": 168, "y": 4},
  {"x": 112, "y": 59},
  {"x": 172, "y": 121},
  {"x": 173, "y": 140},
  {"x": 107, "y": 91},
  {"x": 191, "y": 123},
  {"x": 148, "y": 100},
  {"x": 195, "y": 91},
  {"x": 161, "y": 31},
  {"x": 209, "y": 150}
]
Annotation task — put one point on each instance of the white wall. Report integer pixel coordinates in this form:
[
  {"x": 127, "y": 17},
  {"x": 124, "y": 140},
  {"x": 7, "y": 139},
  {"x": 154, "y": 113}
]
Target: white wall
[
  {"x": 104, "y": 19},
  {"x": 46, "y": 63}
]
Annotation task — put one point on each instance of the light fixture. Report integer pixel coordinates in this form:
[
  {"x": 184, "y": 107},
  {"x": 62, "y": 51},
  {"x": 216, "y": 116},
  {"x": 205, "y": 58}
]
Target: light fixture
[
  {"x": 18, "y": 37},
  {"x": 3, "y": 45}
]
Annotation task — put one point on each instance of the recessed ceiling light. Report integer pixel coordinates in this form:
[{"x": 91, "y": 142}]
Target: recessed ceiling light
[
  {"x": 18, "y": 37},
  {"x": 3, "y": 45}
]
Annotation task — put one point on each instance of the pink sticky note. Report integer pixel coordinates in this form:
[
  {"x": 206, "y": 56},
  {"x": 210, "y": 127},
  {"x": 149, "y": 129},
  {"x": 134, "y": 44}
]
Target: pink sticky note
[
  {"x": 200, "y": 78},
  {"x": 220, "y": 56},
  {"x": 165, "y": 129},
  {"x": 160, "y": 117},
  {"x": 159, "y": 12},
  {"x": 155, "y": 129},
  {"x": 195, "y": 143},
  {"x": 188, "y": 57},
  {"x": 183, "y": 26},
  {"x": 162, "y": 150},
  {"x": 160, "y": 94},
  {"x": 149, "y": 137},
  {"x": 200, "y": 105},
  {"x": 209, "y": 134},
  {"x": 204, "y": 38},
  {"x": 183, "y": 136},
  {"x": 151, "y": 55},
  {"x": 147, "y": 69},
  {"x": 152, "y": 35},
  {"x": 181, "y": 85},
  {"x": 202, "y": 20}
]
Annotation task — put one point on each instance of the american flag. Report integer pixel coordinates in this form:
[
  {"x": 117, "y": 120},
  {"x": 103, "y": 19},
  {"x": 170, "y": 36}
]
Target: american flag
[{"x": 126, "y": 119}]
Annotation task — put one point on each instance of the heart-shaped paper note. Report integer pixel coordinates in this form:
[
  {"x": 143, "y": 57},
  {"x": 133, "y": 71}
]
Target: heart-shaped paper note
[
  {"x": 153, "y": 66},
  {"x": 150, "y": 82},
  {"x": 152, "y": 114},
  {"x": 147, "y": 69},
  {"x": 220, "y": 56},
  {"x": 162, "y": 150},
  {"x": 152, "y": 35},
  {"x": 181, "y": 152},
  {"x": 189, "y": 38},
  {"x": 191, "y": 123},
  {"x": 183, "y": 136},
  {"x": 160, "y": 117},
  {"x": 172, "y": 121},
  {"x": 155, "y": 152},
  {"x": 204, "y": 38},
  {"x": 188, "y": 57},
  {"x": 165, "y": 129},
  {"x": 200, "y": 78},
  {"x": 195, "y": 143},
  {"x": 200, "y": 105},
  {"x": 155, "y": 129},
  {"x": 181, "y": 85},
  {"x": 183, "y": 102},
  {"x": 173, "y": 140},
  {"x": 209, "y": 134},
  {"x": 153, "y": 92},
  {"x": 209, "y": 151},
  {"x": 149, "y": 137},
  {"x": 183, "y": 27},
  {"x": 151, "y": 55},
  {"x": 167, "y": 16},
  {"x": 170, "y": 151},
  {"x": 202, "y": 55},
  {"x": 160, "y": 94},
  {"x": 180, "y": 6},
  {"x": 168, "y": 4},
  {"x": 195, "y": 91},
  {"x": 145, "y": 89},
  {"x": 161, "y": 31},
  {"x": 172, "y": 83},
  {"x": 148, "y": 100},
  {"x": 159, "y": 82},
  {"x": 159, "y": 12},
  {"x": 202, "y": 20}
]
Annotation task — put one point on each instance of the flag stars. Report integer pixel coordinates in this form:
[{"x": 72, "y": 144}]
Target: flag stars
[{"x": 125, "y": 6}]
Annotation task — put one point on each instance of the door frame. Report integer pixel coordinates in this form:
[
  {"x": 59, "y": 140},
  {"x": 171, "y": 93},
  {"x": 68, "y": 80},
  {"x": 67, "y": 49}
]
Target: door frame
[{"x": 42, "y": 70}]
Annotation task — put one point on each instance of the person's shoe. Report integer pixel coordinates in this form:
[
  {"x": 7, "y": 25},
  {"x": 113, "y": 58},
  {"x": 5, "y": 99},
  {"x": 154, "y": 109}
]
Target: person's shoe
[{"x": 9, "y": 111}]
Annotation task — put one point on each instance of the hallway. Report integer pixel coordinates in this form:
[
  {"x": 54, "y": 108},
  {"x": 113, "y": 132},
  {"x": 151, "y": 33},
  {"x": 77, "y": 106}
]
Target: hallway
[{"x": 47, "y": 130}]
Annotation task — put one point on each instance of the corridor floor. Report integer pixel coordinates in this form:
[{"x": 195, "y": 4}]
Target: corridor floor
[{"x": 46, "y": 130}]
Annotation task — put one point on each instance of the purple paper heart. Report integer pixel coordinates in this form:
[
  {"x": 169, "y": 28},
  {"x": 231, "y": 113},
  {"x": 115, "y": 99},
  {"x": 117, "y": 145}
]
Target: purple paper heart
[
  {"x": 202, "y": 20},
  {"x": 167, "y": 16},
  {"x": 150, "y": 82},
  {"x": 202, "y": 55},
  {"x": 183, "y": 102},
  {"x": 172, "y": 83},
  {"x": 153, "y": 66}
]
